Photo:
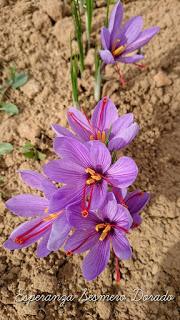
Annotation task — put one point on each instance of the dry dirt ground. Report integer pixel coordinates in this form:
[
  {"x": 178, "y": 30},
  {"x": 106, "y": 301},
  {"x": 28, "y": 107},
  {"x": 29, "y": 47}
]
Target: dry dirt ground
[{"x": 34, "y": 35}]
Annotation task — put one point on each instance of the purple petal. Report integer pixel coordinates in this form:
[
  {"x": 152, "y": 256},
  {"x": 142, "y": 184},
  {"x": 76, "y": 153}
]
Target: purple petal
[
  {"x": 122, "y": 139},
  {"x": 136, "y": 220},
  {"x": 64, "y": 197},
  {"x": 59, "y": 232},
  {"x": 121, "y": 245},
  {"x": 24, "y": 227},
  {"x": 79, "y": 124},
  {"x": 42, "y": 250},
  {"x": 123, "y": 172},
  {"x": 65, "y": 171},
  {"x": 143, "y": 38},
  {"x": 123, "y": 218},
  {"x": 122, "y": 122},
  {"x": 27, "y": 205},
  {"x": 120, "y": 194},
  {"x": 61, "y": 131},
  {"x": 110, "y": 207},
  {"x": 136, "y": 201},
  {"x": 99, "y": 195},
  {"x": 115, "y": 19},
  {"x": 131, "y": 30},
  {"x": 48, "y": 188},
  {"x": 32, "y": 178},
  {"x": 73, "y": 150},
  {"x": 78, "y": 221},
  {"x": 96, "y": 260},
  {"x": 107, "y": 56},
  {"x": 105, "y": 38},
  {"x": 100, "y": 157},
  {"x": 105, "y": 113},
  {"x": 131, "y": 59},
  {"x": 81, "y": 240}
]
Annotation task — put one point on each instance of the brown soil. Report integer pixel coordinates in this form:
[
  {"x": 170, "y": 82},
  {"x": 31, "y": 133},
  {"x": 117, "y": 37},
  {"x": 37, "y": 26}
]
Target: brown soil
[{"x": 35, "y": 36}]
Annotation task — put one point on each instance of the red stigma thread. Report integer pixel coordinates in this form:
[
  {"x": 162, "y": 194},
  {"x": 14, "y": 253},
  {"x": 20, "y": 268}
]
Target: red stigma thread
[
  {"x": 71, "y": 114},
  {"x": 103, "y": 105},
  {"x": 85, "y": 209},
  {"x": 117, "y": 271},
  {"x": 26, "y": 235}
]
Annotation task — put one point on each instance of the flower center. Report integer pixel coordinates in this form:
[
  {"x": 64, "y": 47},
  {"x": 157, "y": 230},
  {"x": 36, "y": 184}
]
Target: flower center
[
  {"x": 105, "y": 227},
  {"x": 38, "y": 228},
  {"x": 116, "y": 51},
  {"x": 93, "y": 176},
  {"x": 101, "y": 136}
]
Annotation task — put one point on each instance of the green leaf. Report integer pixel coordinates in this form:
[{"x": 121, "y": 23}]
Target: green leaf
[
  {"x": 29, "y": 154},
  {"x": 19, "y": 80},
  {"x": 9, "y": 108},
  {"x": 5, "y": 148}
]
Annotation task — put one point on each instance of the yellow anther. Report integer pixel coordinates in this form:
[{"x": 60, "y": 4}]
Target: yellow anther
[
  {"x": 51, "y": 216},
  {"x": 118, "y": 51},
  {"x": 89, "y": 170},
  {"x": 91, "y": 137},
  {"x": 89, "y": 181},
  {"x": 105, "y": 232},
  {"x": 99, "y": 135},
  {"x": 46, "y": 210},
  {"x": 96, "y": 177},
  {"x": 106, "y": 228},
  {"x": 103, "y": 137}
]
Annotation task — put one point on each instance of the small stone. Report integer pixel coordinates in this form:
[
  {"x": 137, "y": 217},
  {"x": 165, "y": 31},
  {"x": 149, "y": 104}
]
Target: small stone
[
  {"x": 166, "y": 99},
  {"x": 53, "y": 8},
  {"x": 89, "y": 60},
  {"x": 41, "y": 19},
  {"x": 161, "y": 79},
  {"x": 103, "y": 309},
  {"x": 31, "y": 88},
  {"x": 60, "y": 30},
  {"x": 155, "y": 269},
  {"x": 29, "y": 131}
]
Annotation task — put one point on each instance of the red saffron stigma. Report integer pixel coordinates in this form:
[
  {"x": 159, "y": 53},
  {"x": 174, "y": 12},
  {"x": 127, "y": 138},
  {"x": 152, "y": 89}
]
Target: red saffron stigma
[
  {"x": 85, "y": 209},
  {"x": 71, "y": 114},
  {"x": 121, "y": 199},
  {"x": 22, "y": 238},
  {"x": 104, "y": 102},
  {"x": 117, "y": 271},
  {"x": 70, "y": 252}
]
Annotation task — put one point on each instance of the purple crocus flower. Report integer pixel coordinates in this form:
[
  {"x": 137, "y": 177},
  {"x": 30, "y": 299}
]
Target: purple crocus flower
[
  {"x": 134, "y": 201},
  {"x": 120, "y": 42},
  {"x": 87, "y": 169},
  {"x": 51, "y": 228},
  {"x": 97, "y": 232},
  {"x": 105, "y": 126}
]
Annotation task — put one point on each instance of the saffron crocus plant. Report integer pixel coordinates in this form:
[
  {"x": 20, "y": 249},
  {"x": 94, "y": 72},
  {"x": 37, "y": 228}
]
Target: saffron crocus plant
[
  {"x": 134, "y": 201},
  {"x": 105, "y": 126},
  {"x": 120, "y": 42},
  {"x": 51, "y": 228},
  {"x": 88, "y": 167},
  {"x": 97, "y": 232}
]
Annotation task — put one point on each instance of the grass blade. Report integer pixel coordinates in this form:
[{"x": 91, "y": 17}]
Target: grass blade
[
  {"x": 78, "y": 31},
  {"x": 97, "y": 87},
  {"x": 89, "y": 14}
]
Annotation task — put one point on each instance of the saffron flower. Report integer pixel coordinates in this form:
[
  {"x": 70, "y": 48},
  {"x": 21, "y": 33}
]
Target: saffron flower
[
  {"x": 105, "y": 126},
  {"x": 87, "y": 167},
  {"x": 134, "y": 201},
  {"x": 96, "y": 233},
  {"x": 51, "y": 228},
  {"x": 120, "y": 42}
]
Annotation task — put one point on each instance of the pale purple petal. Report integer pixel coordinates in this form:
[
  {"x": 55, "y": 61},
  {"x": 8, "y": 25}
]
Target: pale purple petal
[
  {"x": 120, "y": 194},
  {"x": 143, "y": 38},
  {"x": 130, "y": 59},
  {"x": 115, "y": 19},
  {"x": 73, "y": 150},
  {"x": 121, "y": 246},
  {"x": 79, "y": 123},
  {"x": 107, "y": 56},
  {"x": 104, "y": 115},
  {"x": 81, "y": 240},
  {"x": 59, "y": 232},
  {"x": 109, "y": 209},
  {"x": 122, "y": 122},
  {"x": 105, "y": 38},
  {"x": 23, "y": 227},
  {"x": 96, "y": 260},
  {"x": 99, "y": 195},
  {"x": 48, "y": 188},
  {"x": 27, "y": 205},
  {"x": 76, "y": 219},
  {"x": 123, "y": 218},
  {"x": 65, "y": 171},
  {"x": 125, "y": 136},
  {"x": 131, "y": 30},
  {"x": 136, "y": 220},
  {"x": 123, "y": 172},
  {"x": 32, "y": 178},
  {"x": 64, "y": 197},
  {"x": 100, "y": 157},
  {"x": 42, "y": 250},
  {"x": 61, "y": 131}
]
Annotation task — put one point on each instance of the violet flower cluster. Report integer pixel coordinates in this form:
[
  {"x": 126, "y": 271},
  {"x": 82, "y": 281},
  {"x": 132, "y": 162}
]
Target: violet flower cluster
[{"x": 92, "y": 211}]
